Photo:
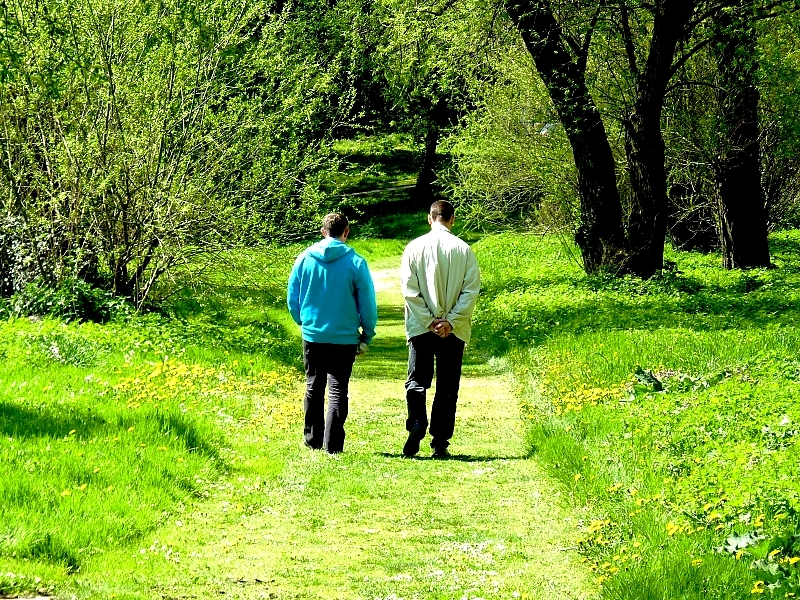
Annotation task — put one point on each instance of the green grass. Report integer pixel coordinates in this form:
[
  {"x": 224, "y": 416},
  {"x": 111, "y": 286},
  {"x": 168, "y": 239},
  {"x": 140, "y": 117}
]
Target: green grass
[
  {"x": 107, "y": 430},
  {"x": 164, "y": 449},
  {"x": 212, "y": 492},
  {"x": 678, "y": 470}
]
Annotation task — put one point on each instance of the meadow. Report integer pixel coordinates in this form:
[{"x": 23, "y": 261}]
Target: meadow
[
  {"x": 110, "y": 429},
  {"x": 668, "y": 409},
  {"x": 665, "y": 412}
]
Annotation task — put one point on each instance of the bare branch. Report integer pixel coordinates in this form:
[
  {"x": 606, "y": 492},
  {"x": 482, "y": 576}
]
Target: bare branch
[
  {"x": 685, "y": 57},
  {"x": 583, "y": 54},
  {"x": 627, "y": 36},
  {"x": 690, "y": 83}
]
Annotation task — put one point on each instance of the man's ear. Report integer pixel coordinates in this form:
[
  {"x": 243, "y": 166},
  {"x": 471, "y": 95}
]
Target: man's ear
[
  {"x": 430, "y": 220},
  {"x": 323, "y": 232}
]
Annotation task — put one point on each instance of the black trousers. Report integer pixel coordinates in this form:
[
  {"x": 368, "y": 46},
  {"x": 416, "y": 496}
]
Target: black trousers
[
  {"x": 327, "y": 365},
  {"x": 447, "y": 354}
]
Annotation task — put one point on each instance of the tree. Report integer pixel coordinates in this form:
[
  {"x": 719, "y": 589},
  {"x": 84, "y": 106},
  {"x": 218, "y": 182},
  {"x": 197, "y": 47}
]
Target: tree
[
  {"x": 638, "y": 248},
  {"x": 137, "y": 137},
  {"x": 644, "y": 144},
  {"x": 107, "y": 164},
  {"x": 741, "y": 206},
  {"x": 643, "y": 46},
  {"x": 600, "y": 235},
  {"x": 430, "y": 57},
  {"x": 779, "y": 82}
]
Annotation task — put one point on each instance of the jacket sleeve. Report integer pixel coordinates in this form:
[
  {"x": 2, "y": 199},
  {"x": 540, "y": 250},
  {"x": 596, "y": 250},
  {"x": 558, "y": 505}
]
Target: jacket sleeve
[
  {"x": 415, "y": 302},
  {"x": 367, "y": 305},
  {"x": 461, "y": 313},
  {"x": 293, "y": 290}
]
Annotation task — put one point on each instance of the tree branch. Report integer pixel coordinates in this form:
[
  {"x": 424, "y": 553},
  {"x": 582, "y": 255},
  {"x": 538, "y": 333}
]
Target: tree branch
[
  {"x": 685, "y": 57},
  {"x": 583, "y": 55},
  {"x": 689, "y": 83},
  {"x": 572, "y": 43},
  {"x": 630, "y": 50},
  {"x": 713, "y": 10},
  {"x": 440, "y": 11}
]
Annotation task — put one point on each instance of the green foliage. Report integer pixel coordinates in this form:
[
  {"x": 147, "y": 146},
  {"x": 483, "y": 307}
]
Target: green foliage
[
  {"x": 107, "y": 429},
  {"x": 71, "y": 300},
  {"x": 297, "y": 83},
  {"x": 139, "y": 137},
  {"x": 110, "y": 169},
  {"x": 779, "y": 75},
  {"x": 430, "y": 58},
  {"x": 65, "y": 348},
  {"x": 667, "y": 408},
  {"x": 511, "y": 159}
]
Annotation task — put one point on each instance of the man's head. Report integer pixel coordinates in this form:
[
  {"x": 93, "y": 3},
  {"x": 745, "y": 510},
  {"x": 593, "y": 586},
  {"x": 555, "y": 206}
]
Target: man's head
[
  {"x": 335, "y": 225},
  {"x": 442, "y": 212}
]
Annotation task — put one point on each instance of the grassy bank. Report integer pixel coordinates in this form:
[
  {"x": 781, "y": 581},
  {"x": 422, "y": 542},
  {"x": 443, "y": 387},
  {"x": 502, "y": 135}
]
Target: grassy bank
[
  {"x": 668, "y": 409},
  {"x": 161, "y": 456},
  {"x": 107, "y": 431}
]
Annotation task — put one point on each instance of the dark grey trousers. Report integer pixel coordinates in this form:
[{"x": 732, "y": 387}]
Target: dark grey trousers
[
  {"x": 447, "y": 354},
  {"x": 327, "y": 365}
]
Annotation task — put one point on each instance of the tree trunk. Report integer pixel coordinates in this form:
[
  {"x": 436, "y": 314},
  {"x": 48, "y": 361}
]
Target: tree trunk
[
  {"x": 741, "y": 205},
  {"x": 600, "y": 235},
  {"x": 644, "y": 143},
  {"x": 690, "y": 221},
  {"x": 423, "y": 190}
]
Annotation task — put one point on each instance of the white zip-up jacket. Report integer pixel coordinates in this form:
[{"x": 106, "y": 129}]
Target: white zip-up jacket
[{"x": 440, "y": 278}]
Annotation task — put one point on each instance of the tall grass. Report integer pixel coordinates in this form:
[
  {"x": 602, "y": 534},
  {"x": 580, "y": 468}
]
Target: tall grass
[
  {"x": 106, "y": 430},
  {"x": 669, "y": 409}
]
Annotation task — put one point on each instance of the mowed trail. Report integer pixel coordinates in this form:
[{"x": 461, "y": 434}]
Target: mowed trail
[{"x": 372, "y": 524}]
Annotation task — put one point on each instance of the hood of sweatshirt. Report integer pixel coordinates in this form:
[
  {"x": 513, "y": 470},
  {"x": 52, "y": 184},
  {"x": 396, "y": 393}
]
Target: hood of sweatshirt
[{"x": 329, "y": 249}]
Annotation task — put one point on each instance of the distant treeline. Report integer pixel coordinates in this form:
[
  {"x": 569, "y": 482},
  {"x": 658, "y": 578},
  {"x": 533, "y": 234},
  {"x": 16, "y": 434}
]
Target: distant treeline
[{"x": 137, "y": 135}]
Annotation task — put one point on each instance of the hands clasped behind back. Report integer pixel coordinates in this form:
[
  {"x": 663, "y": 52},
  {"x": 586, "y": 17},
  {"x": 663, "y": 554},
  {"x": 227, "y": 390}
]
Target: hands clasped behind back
[{"x": 441, "y": 327}]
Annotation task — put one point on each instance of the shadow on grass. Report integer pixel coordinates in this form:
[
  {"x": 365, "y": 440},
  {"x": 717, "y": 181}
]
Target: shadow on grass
[
  {"x": 17, "y": 421},
  {"x": 396, "y": 221},
  {"x": 403, "y": 219},
  {"x": 20, "y": 422},
  {"x": 235, "y": 319},
  {"x": 455, "y": 457},
  {"x": 393, "y": 163},
  {"x": 534, "y": 321},
  {"x": 188, "y": 432}
]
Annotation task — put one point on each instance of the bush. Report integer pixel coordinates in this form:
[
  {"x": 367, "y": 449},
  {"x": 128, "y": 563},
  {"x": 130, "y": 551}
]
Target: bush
[
  {"x": 73, "y": 300},
  {"x": 512, "y": 158}
]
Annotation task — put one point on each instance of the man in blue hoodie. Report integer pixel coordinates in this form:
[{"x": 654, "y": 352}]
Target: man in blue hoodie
[{"x": 332, "y": 298}]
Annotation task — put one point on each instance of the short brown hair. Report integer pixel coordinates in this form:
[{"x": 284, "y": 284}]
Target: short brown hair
[
  {"x": 442, "y": 209},
  {"x": 334, "y": 224}
]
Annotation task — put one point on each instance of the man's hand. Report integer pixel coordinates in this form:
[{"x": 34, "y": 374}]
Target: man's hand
[
  {"x": 441, "y": 327},
  {"x": 362, "y": 348}
]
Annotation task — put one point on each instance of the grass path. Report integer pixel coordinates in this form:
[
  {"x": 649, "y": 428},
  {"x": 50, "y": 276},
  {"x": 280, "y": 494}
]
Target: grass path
[{"x": 294, "y": 523}]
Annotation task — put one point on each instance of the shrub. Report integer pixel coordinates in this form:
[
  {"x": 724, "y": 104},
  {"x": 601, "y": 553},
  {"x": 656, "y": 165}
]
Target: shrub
[{"x": 73, "y": 300}]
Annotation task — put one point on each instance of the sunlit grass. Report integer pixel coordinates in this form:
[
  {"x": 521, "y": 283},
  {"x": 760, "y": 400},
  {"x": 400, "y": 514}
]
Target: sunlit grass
[
  {"x": 106, "y": 429},
  {"x": 677, "y": 470}
]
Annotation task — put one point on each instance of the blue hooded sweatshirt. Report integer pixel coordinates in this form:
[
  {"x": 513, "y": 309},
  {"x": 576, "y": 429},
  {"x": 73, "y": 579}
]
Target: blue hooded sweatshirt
[{"x": 331, "y": 294}]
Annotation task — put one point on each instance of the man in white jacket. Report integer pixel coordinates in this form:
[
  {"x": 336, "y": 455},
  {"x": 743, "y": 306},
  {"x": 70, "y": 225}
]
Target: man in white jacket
[{"x": 440, "y": 280}]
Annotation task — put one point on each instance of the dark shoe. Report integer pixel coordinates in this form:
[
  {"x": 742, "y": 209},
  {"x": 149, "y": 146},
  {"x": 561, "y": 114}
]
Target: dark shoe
[
  {"x": 440, "y": 453},
  {"x": 414, "y": 438}
]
